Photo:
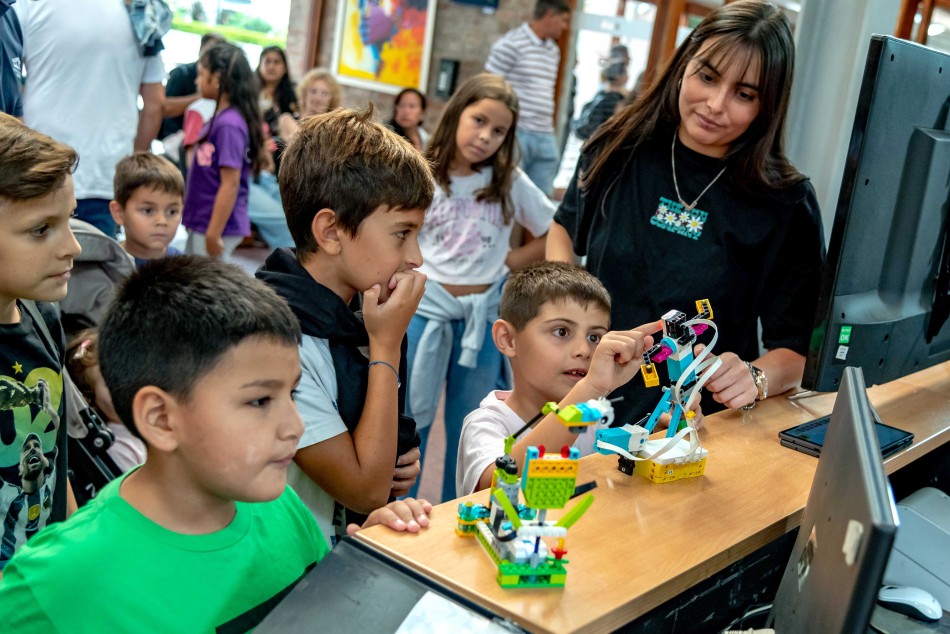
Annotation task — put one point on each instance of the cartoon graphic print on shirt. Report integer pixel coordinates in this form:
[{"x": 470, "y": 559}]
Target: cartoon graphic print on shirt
[
  {"x": 204, "y": 154},
  {"x": 29, "y": 422},
  {"x": 457, "y": 224},
  {"x": 672, "y": 216}
]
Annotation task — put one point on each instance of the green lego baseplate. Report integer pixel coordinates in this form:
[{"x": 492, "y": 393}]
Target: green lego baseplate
[{"x": 549, "y": 493}]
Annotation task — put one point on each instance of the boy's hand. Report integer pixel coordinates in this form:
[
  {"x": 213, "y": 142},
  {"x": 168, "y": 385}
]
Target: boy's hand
[
  {"x": 732, "y": 384},
  {"x": 386, "y": 321},
  {"x": 409, "y": 515},
  {"x": 407, "y": 472},
  {"x": 617, "y": 357},
  {"x": 214, "y": 245}
]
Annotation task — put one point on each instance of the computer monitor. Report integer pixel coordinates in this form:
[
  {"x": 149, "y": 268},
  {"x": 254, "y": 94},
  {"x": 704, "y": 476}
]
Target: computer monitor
[
  {"x": 885, "y": 292},
  {"x": 833, "y": 576}
]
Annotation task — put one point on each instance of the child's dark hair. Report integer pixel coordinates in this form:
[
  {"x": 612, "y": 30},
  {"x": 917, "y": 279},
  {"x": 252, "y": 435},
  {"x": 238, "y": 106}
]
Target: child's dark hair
[
  {"x": 285, "y": 96},
  {"x": 442, "y": 147},
  {"x": 741, "y": 32},
  {"x": 144, "y": 169},
  {"x": 32, "y": 165},
  {"x": 345, "y": 161},
  {"x": 240, "y": 85},
  {"x": 541, "y": 7},
  {"x": 172, "y": 322},
  {"x": 528, "y": 289},
  {"x": 398, "y": 129}
]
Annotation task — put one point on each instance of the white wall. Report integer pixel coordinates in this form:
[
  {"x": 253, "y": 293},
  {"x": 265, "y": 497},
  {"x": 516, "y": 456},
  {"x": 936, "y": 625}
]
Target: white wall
[{"x": 832, "y": 39}]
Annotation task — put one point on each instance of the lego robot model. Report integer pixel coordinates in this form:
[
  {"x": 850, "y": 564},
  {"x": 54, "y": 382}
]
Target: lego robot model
[
  {"x": 681, "y": 455},
  {"x": 676, "y": 349},
  {"x": 512, "y": 533}
]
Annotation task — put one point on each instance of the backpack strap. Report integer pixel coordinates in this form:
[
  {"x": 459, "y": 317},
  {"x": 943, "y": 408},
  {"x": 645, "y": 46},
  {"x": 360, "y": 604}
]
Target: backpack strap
[
  {"x": 88, "y": 437},
  {"x": 34, "y": 312}
]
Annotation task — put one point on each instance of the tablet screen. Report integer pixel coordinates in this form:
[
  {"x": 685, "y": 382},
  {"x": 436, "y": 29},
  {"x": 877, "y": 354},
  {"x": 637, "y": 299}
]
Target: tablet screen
[{"x": 813, "y": 433}]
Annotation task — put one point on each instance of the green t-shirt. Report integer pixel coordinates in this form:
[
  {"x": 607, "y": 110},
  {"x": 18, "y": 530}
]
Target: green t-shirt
[{"x": 110, "y": 569}]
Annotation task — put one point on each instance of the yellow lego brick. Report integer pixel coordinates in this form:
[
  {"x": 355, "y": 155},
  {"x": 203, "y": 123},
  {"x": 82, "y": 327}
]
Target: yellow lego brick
[
  {"x": 703, "y": 304},
  {"x": 560, "y": 466},
  {"x": 669, "y": 472},
  {"x": 650, "y": 377}
]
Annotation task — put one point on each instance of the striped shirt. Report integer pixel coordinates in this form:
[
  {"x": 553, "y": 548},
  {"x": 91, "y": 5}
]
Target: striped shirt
[{"x": 530, "y": 65}]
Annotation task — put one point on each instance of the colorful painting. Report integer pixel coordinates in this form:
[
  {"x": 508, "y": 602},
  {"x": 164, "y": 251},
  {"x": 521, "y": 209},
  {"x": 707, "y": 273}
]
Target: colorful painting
[{"x": 383, "y": 45}]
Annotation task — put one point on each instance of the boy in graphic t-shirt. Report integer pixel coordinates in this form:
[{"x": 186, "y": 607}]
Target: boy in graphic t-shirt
[{"x": 37, "y": 249}]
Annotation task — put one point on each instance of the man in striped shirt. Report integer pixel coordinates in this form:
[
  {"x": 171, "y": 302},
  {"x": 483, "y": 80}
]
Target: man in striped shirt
[{"x": 528, "y": 57}]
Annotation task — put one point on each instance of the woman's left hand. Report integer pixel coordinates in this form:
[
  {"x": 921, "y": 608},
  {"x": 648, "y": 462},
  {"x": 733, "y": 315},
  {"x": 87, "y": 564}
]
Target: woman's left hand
[{"x": 732, "y": 383}]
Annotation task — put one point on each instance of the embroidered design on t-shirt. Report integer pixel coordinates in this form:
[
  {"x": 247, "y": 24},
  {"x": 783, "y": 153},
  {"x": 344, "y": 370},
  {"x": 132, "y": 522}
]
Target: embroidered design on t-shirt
[{"x": 672, "y": 216}]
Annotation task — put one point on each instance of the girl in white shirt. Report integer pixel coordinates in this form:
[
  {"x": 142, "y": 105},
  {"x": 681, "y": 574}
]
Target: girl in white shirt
[{"x": 481, "y": 194}]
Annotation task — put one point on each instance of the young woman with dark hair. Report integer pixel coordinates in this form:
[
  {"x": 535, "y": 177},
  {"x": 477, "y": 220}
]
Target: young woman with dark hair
[
  {"x": 408, "y": 112},
  {"x": 278, "y": 95},
  {"x": 687, "y": 194}
]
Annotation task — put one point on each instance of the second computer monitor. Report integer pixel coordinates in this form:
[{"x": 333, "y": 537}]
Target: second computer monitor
[{"x": 833, "y": 576}]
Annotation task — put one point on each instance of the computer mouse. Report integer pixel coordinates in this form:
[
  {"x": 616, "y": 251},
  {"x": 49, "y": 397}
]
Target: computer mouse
[{"x": 914, "y": 602}]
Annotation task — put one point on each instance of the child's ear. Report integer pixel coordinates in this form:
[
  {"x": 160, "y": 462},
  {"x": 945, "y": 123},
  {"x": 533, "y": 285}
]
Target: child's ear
[
  {"x": 326, "y": 231},
  {"x": 116, "y": 210},
  {"x": 157, "y": 417},
  {"x": 504, "y": 335}
]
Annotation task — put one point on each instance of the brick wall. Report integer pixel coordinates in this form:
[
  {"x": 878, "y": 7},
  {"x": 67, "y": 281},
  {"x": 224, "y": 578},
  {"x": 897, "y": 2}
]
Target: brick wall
[{"x": 461, "y": 32}]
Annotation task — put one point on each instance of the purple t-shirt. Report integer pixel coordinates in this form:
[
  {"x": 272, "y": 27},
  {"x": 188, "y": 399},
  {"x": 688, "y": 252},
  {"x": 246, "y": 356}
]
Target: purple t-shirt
[{"x": 226, "y": 146}]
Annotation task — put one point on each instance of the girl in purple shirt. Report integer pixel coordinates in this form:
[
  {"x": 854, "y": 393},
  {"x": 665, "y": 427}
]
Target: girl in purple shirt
[{"x": 229, "y": 149}]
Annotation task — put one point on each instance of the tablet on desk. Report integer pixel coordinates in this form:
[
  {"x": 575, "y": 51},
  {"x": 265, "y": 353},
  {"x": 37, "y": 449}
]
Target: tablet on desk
[{"x": 809, "y": 437}]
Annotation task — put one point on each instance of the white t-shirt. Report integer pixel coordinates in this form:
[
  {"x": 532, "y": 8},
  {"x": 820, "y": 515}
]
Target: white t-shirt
[
  {"x": 84, "y": 69},
  {"x": 316, "y": 402},
  {"x": 465, "y": 241},
  {"x": 483, "y": 439},
  {"x": 128, "y": 451}
]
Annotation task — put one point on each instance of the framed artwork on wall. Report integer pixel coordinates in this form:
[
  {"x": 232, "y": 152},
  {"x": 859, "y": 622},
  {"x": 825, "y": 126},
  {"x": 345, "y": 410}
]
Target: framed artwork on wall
[{"x": 383, "y": 45}]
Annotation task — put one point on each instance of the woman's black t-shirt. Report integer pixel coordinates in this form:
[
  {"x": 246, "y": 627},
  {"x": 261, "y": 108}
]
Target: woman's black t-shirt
[{"x": 752, "y": 257}]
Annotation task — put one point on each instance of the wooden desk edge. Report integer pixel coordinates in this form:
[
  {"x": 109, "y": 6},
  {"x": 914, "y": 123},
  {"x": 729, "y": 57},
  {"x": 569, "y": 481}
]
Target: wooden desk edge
[{"x": 924, "y": 443}]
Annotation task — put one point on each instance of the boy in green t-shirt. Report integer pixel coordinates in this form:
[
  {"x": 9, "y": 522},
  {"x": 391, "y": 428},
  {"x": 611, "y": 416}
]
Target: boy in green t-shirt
[{"x": 201, "y": 362}]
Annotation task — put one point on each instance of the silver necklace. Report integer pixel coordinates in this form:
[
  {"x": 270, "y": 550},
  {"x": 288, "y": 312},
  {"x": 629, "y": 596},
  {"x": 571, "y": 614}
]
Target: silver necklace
[{"x": 688, "y": 207}]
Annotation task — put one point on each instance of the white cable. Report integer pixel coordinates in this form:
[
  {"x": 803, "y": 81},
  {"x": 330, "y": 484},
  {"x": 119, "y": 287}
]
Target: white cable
[
  {"x": 708, "y": 369},
  {"x": 672, "y": 442}
]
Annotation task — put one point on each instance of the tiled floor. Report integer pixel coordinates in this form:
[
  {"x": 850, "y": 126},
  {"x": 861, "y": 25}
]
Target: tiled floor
[{"x": 251, "y": 258}]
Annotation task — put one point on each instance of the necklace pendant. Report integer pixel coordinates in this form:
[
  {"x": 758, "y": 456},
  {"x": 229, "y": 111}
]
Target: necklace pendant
[{"x": 689, "y": 208}]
